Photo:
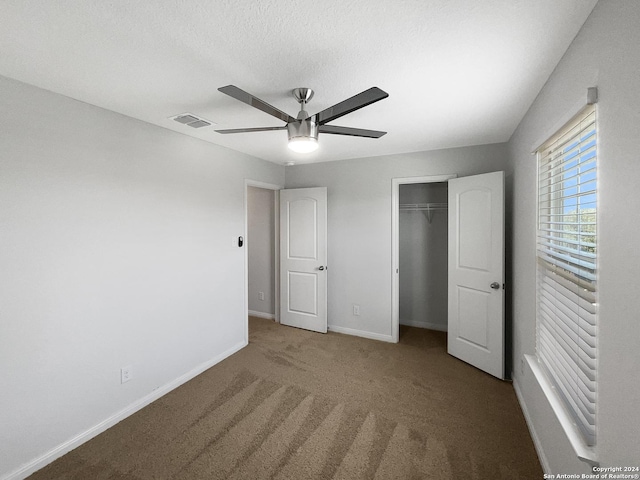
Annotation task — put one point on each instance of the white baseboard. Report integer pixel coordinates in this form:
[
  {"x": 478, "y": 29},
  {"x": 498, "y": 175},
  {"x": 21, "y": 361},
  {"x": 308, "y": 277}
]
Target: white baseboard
[
  {"x": 431, "y": 326},
  {"x": 361, "y": 333},
  {"x": 534, "y": 436},
  {"x": 66, "y": 447},
  {"x": 269, "y": 316}
]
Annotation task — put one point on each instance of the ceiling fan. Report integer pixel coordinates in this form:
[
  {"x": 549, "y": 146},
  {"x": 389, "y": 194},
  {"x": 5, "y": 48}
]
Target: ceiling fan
[{"x": 304, "y": 129}]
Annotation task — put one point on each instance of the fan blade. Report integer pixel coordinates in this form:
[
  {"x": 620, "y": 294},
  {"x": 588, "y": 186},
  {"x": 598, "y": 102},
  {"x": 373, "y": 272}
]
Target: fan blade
[
  {"x": 353, "y": 132},
  {"x": 249, "y": 99},
  {"x": 256, "y": 129},
  {"x": 351, "y": 104}
]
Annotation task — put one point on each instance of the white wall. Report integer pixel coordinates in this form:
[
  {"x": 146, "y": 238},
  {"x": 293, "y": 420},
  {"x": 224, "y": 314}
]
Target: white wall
[
  {"x": 606, "y": 54},
  {"x": 116, "y": 248},
  {"x": 261, "y": 245},
  {"x": 359, "y": 224},
  {"x": 423, "y": 251}
]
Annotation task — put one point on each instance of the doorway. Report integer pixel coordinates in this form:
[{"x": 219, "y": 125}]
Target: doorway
[
  {"x": 395, "y": 240},
  {"x": 423, "y": 254},
  {"x": 262, "y": 251}
]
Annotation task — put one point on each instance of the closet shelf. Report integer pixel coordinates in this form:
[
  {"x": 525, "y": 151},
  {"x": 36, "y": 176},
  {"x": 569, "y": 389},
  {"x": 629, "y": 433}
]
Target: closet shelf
[{"x": 426, "y": 208}]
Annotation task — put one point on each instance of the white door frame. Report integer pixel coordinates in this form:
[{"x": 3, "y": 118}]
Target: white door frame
[
  {"x": 395, "y": 242},
  {"x": 276, "y": 284}
]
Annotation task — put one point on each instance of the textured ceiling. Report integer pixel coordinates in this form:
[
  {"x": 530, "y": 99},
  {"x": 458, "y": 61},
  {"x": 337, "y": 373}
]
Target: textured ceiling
[{"x": 458, "y": 72}]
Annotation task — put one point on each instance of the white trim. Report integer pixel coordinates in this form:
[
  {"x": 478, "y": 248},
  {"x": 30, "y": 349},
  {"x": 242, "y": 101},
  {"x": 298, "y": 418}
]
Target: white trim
[
  {"x": 276, "y": 255},
  {"x": 268, "y": 186},
  {"x": 65, "y": 447},
  {"x": 585, "y": 453},
  {"x": 395, "y": 242},
  {"x": 532, "y": 431},
  {"x": 361, "y": 333},
  {"x": 268, "y": 316},
  {"x": 259, "y": 184},
  {"x": 430, "y": 326}
]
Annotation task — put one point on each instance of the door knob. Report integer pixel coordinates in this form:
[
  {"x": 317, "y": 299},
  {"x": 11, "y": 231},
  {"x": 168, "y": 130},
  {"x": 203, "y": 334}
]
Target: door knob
[
  {"x": 320, "y": 267},
  {"x": 495, "y": 285}
]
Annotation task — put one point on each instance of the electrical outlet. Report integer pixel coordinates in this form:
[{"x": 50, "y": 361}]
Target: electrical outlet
[
  {"x": 126, "y": 374},
  {"x": 261, "y": 295},
  {"x": 522, "y": 366},
  {"x": 356, "y": 309}
]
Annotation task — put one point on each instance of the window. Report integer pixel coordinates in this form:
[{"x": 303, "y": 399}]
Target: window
[{"x": 566, "y": 275}]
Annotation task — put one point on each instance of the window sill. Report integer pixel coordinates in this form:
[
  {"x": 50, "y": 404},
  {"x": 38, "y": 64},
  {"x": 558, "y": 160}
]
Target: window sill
[{"x": 583, "y": 451}]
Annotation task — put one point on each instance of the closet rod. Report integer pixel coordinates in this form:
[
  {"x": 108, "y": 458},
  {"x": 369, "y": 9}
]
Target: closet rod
[
  {"x": 417, "y": 207},
  {"x": 426, "y": 208}
]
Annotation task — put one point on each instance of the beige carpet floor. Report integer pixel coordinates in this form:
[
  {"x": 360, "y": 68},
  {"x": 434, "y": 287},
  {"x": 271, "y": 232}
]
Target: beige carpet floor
[{"x": 301, "y": 405}]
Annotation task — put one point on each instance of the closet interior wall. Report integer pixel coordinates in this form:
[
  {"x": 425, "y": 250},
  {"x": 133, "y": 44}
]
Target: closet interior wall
[{"x": 423, "y": 255}]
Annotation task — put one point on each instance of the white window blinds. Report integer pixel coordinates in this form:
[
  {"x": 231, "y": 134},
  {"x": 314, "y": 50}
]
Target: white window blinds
[{"x": 566, "y": 279}]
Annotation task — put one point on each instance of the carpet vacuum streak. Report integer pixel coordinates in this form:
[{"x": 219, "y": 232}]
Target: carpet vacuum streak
[{"x": 301, "y": 405}]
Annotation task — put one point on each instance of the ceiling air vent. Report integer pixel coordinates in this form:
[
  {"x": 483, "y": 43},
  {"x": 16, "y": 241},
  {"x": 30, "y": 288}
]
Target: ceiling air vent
[{"x": 190, "y": 120}]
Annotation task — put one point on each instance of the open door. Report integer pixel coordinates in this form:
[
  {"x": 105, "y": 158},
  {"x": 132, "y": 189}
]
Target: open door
[
  {"x": 476, "y": 271},
  {"x": 303, "y": 258}
]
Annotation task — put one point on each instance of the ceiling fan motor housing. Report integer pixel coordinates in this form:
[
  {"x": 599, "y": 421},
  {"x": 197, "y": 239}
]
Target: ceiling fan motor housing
[{"x": 307, "y": 128}]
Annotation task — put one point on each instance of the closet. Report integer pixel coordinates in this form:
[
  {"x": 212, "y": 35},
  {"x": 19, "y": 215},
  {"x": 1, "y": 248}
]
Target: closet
[{"x": 423, "y": 225}]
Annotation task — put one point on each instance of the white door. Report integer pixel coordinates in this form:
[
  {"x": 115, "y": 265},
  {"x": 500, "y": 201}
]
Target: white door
[
  {"x": 303, "y": 258},
  {"x": 476, "y": 271}
]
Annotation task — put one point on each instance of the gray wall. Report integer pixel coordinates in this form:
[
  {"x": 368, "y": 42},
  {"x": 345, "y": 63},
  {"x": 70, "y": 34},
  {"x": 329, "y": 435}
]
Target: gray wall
[
  {"x": 359, "y": 224},
  {"x": 261, "y": 253},
  {"x": 606, "y": 53},
  {"x": 116, "y": 248},
  {"x": 423, "y": 258}
]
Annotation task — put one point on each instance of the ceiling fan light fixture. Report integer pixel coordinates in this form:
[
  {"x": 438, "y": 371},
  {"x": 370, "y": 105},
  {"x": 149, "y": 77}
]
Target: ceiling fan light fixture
[
  {"x": 303, "y": 144},
  {"x": 303, "y": 136}
]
